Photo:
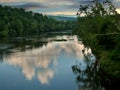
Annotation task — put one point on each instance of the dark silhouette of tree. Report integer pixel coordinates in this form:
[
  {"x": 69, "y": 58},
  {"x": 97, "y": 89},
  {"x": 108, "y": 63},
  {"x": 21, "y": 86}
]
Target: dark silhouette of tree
[{"x": 97, "y": 9}]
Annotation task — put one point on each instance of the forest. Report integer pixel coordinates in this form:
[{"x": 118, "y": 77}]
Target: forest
[
  {"x": 16, "y": 22},
  {"x": 99, "y": 28}
]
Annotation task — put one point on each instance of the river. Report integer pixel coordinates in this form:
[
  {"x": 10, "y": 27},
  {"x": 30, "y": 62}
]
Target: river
[{"x": 60, "y": 62}]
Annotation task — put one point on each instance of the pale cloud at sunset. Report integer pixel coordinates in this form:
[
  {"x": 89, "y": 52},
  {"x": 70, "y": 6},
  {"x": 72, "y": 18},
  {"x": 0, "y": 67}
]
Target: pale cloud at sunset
[{"x": 52, "y": 7}]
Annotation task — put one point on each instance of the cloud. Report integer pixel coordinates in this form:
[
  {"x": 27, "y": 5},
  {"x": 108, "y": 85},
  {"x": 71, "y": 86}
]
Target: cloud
[
  {"x": 38, "y": 5},
  {"x": 116, "y": 3},
  {"x": 30, "y": 5},
  {"x": 7, "y": 0},
  {"x": 66, "y": 13},
  {"x": 60, "y": 7},
  {"x": 118, "y": 10}
]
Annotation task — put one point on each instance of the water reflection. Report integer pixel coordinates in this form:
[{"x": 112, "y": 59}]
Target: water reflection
[
  {"x": 41, "y": 62},
  {"x": 1, "y": 58},
  {"x": 88, "y": 78}
]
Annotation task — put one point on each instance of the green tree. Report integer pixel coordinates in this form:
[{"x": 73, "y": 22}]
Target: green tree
[{"x": 19, "y": 27}]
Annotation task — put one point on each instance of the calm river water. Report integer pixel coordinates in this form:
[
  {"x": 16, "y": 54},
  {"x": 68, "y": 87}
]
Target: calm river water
[{"x": 53, "y": 63}]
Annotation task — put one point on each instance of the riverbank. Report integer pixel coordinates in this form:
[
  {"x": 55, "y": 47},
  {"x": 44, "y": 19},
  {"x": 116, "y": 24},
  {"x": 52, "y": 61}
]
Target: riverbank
[
  {"x": 107, "y": 56},
  {"x": 108, "y": 59},
  {"x": 100, "y": 31},
  {"x": 109, "y": 69}
]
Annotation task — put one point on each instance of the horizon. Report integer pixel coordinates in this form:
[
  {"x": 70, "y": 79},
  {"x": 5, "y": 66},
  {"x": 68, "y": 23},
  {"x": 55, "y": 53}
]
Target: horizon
[{"x": 66, "y": 8}]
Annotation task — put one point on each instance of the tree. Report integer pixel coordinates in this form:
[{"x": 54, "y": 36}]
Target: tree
[
  {"x": 18, "y": 22},
  {"x": 97, "y": 9},
  {"x": 19, "y": 27}
]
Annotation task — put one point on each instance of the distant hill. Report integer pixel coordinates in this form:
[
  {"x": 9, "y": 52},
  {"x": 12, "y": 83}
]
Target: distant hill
[{"x": 63, "y": 18}]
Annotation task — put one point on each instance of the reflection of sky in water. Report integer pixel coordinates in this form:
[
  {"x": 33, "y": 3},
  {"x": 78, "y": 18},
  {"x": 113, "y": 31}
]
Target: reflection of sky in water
[{"x": 42, "y": 62}]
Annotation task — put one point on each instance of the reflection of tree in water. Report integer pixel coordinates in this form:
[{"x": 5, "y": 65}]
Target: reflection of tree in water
[
  {"x": 22, "y": 43},
  {"x": 93, "y": 77},
  {"x": 88, "y": 78},
  {"x": 1, "y": 57}
]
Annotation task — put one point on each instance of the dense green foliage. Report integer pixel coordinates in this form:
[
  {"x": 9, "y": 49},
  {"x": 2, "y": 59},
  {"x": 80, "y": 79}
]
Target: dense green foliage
[
  {"x": 100, "y": 29},
  {"x": 18, "y": 22}
]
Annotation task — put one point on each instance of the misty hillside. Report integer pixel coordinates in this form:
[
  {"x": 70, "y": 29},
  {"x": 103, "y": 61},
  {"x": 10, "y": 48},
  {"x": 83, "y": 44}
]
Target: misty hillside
[{"x": 63, "y": 18}]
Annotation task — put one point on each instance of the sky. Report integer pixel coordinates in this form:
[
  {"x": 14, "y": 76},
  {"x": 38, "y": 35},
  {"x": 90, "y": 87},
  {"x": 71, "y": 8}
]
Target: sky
[{"x": 52, "y": 7}]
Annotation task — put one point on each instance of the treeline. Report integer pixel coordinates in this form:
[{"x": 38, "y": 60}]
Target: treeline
[
  {"x": 18, "y": 22},
  {"x": 99, "y": 27}
]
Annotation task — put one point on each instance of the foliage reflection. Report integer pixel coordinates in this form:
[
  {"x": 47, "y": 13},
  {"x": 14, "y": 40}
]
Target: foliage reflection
[{"x": 88, "y": 78}]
